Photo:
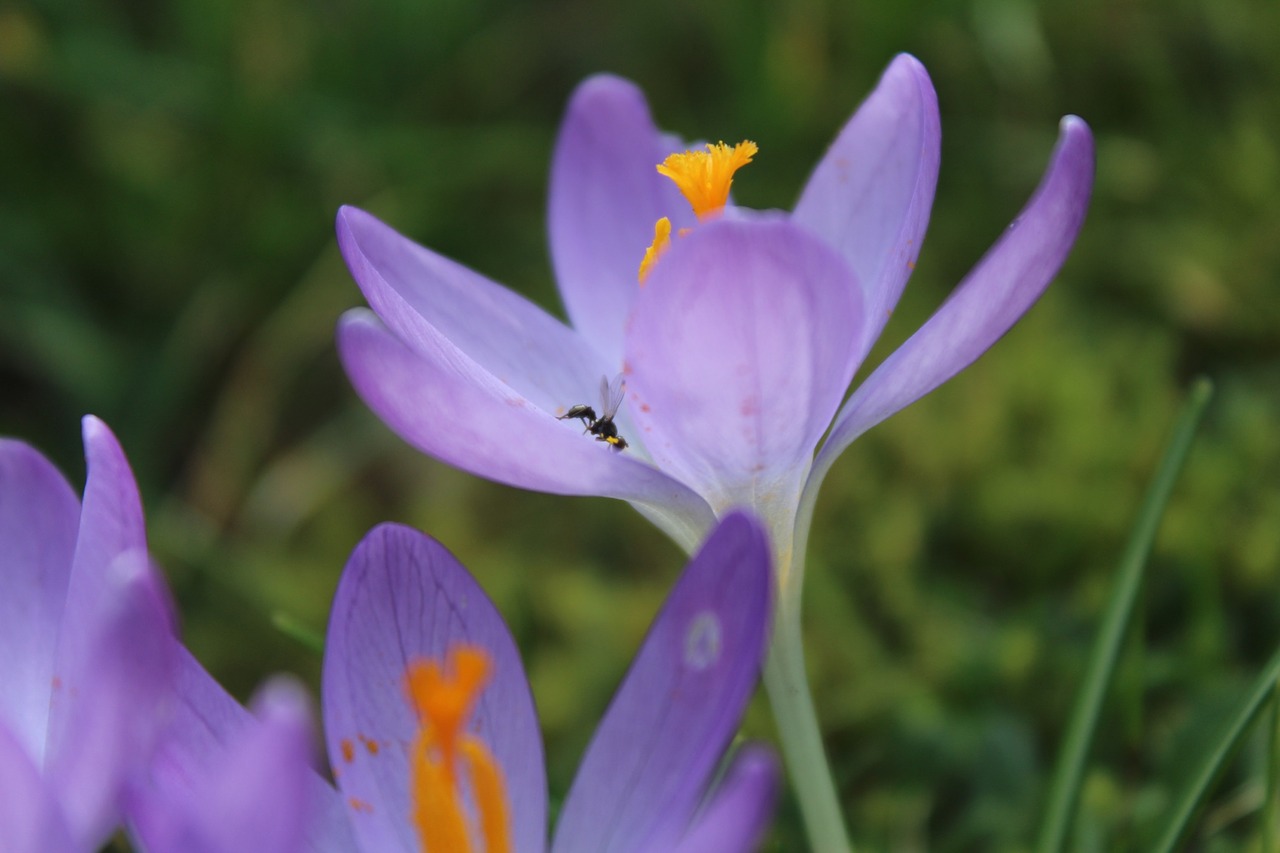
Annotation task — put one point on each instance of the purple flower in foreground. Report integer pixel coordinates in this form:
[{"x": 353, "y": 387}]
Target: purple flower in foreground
[
  {"x": 225, "y": 780},
  {"x": 741, "y": 342},
  {"x": 85, "y": 647},
  {"x": 427, "y": 708},
  {"x": 419, "y": 665},
  {"x": 253, "y": 794}
]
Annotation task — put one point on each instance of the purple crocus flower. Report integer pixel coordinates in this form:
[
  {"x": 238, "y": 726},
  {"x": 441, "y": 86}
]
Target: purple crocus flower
[
  {"x": 225, "y": 779},
  {"x": 256, "y": 792},
  {"x": 434, "y": 739},
  {"x": 85, "y": 647},
  {"x": 406, "y": 605},
  {"x": 739, "y": 345}
]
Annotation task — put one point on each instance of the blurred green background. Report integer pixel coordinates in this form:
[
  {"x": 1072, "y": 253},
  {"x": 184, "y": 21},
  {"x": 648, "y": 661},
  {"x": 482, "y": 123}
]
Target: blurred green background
[{"x": 169, "y": 173}]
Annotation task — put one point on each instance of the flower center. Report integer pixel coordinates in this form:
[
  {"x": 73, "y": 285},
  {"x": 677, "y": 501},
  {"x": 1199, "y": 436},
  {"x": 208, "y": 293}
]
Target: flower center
[
  {"x": 704, "y": 177},
  {"x": 443, "y": 697}
]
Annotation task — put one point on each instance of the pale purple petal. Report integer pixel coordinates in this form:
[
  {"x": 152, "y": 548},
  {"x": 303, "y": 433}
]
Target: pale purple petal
[
  {"x": 871, "y": 194},
  {"x": 112, "y": 663},
  {"x": 740, "y": 809},
  {"x": 740, "y": 349},
  {"x": 111, "y": 681},
  {"x": 650, "y": 761},
  {"x": 30, "y": 819},
  {"x": 39, "y": 514},
  {"x": 991, "y": 298},
  {"x": 444, "y": 310},
  {"x": 403, "y": 597},
  {"x": 205, "y": 725},
  {"x": 252, "y": 796},
  {"x": 449, "y": 408},
  {"x": 111, "y": 521},
  {"x": 204, "y": 721},
  {"x": 605, "y": 197}
]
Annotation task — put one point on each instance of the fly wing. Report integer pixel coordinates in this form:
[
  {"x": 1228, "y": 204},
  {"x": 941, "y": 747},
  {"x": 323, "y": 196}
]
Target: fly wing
[{"x": 611, "y": 395}]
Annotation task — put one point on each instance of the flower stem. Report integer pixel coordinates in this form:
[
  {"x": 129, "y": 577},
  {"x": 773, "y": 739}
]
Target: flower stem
[{"x": 801, "y": 739}]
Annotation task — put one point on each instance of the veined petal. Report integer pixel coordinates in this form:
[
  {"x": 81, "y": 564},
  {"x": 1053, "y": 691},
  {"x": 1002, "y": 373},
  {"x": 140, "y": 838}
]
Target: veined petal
[
  {"x": 434, "y": 304},
  {"x": 738, "y": 354},
  {"x": 448, "y": 407},
  {"x": 740, "y": 809},
  {"x": 990, "y": 299},
  {"x": 649, "y": 763},
  {"x": 871, "y": 194},
  {"x": 111, "y": 682},
  {"x": 403, "y": 597},
  {"x": 39, "y": 514},
  {"x": 30, "y": 818},
  {"x": 252, "y": 796},
  {"x": 605, "y": 197}
]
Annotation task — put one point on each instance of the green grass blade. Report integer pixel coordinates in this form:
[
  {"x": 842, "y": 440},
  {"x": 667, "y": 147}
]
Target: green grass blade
[
  {"x": 1200, "y": 785},
  {"x": 1068, "y": 776},
  {"x": 1270, "y": 825},
  {"x": 295, "y": 630}
]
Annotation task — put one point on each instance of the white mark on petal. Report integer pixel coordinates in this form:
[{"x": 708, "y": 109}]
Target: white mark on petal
[{"x": 702, "y": 642}]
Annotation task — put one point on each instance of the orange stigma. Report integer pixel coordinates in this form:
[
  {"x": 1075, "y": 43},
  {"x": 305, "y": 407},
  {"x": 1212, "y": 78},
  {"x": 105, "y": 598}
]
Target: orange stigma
[
  {"x": 704, "y": 177},
  {"x": 443, "y": 698}
]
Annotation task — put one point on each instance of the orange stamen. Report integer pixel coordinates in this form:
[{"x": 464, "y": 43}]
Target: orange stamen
[
  {"x": 443, "y": 698},
  {"x": 661, "y": 241}
]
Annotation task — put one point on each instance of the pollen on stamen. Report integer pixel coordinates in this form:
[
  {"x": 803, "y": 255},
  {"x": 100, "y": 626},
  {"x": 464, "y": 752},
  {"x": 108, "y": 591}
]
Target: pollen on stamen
[{"x": 704, "y": 177}]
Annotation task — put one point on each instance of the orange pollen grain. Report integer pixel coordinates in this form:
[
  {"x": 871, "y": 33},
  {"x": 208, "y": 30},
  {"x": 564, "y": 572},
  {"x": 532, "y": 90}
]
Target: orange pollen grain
[
  {"x": 445, "y": 756},
  {"x": 704, "y": 177},
  {"x": 348, "y": 750}
]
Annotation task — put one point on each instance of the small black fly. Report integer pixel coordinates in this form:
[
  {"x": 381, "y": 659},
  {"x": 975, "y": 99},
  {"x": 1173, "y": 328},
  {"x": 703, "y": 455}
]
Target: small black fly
[{"x": 602, "y": 427}]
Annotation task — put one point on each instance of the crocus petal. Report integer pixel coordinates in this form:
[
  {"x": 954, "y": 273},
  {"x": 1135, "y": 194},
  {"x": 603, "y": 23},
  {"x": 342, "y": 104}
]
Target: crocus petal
[
  {"x": 403, "y": 597},
  {"x": 111, "y": 521},
  {"x": 440, "y": 307},
  {"x": 871, "y": 194},
  {"x": 205, "y": 725},
  {"x": 252, "y": 796},
  {"x": 990, "y": 299},
  {"x": 38, "y": 517},
  {"x": 112, "y": 663},
  {"x": 451, "y": 409},
  {"x": 740, "y": 809},
  {"x": 108, "y": 695},
  {"x": 741, "y": 346},
  {"x": 675, "y": 713},
  {"x": 605, "y": 197},
  {"x": 30, "y": 819}
]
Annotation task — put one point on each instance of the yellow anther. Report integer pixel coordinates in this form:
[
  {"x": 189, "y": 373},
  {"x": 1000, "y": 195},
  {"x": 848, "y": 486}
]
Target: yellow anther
[
  {"x": 705, "y": 176},
  {"x": 443, "y": 698},
  {"x": 661, "y": 240}
]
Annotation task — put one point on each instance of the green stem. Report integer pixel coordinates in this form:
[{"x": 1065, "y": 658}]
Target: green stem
[{"x": 798, "y": 731}]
